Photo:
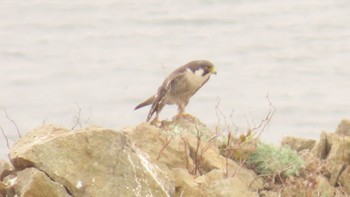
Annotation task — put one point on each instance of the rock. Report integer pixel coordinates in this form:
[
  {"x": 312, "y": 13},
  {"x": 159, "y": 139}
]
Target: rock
[
  {"x": 160, "y": 146},
  {"x": 344, "y": 179},
  {"x": 3, "y": 189},
  {"x": 321, "y": 150},
  {"x": 186, "y": 184},
  {"x": 323, "y": 187},
  {"x": 32, "y": 182},
  {"x": 91, "y": 162},
  {"x": 343, "y": 128},
  {"x": 230, "y": 186},
  {"x": 5, "y": 169},
  {"x": 333, "y": 147},
  {"x": 188, "y": 148},
  {"x": 335, "y": 169},
  {"x": 176, "y": 146},
  {"x": 298, "y": 144}
]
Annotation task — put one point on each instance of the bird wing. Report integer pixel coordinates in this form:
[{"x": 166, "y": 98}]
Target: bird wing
[{"x": 158, "y": 101}]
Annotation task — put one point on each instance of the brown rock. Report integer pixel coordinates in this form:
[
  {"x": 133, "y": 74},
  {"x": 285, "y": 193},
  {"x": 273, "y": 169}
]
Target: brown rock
[
  {"x": 343, "y": 128},
  {"x": 218, "y": 185},
  {"x": 344, "y": 179},
  {"x": 31, "y": 182},
  {"x": 298, "y": 144},
  {"x": 186, "y": 184},
  {"x": 333, "y": 147},
  {"x": 335, "y": 169},
  {"x": 160, "y": 145},
  {"x": 321, "y": 150},
  {"x": 3, "y": 189},
  {"x": 91, "y": 162},
  {"x": 188, "y": 145},
  {"x": 323, "y": 187},
  {"x": 5, "y": 169}
]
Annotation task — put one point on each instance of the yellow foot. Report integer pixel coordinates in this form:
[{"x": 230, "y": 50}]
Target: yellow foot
[{"x": 155, "y": 122}]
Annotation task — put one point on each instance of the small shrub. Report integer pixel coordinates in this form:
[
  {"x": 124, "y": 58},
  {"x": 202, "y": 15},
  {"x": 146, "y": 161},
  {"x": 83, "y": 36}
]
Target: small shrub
[{"x": 268, "y": 159}]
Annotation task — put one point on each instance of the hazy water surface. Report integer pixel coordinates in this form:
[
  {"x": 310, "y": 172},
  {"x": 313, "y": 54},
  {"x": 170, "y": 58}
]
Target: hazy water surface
[{"x": 107, "y": 56}]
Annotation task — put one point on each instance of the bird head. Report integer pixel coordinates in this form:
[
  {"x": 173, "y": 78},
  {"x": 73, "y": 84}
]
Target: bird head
[{"x": 207, "y": 67}]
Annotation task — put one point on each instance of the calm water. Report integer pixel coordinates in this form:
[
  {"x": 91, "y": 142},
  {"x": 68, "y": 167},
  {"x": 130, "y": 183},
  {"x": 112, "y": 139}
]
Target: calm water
[{"x": 107, "y": 56}]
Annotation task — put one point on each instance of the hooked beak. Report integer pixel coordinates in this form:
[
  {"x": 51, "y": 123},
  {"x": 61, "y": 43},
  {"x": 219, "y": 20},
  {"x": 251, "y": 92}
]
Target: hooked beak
[{"x": 213, "y": 70}]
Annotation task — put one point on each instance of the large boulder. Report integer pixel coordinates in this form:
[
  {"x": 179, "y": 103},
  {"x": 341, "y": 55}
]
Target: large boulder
[
  {"x": 90, "y": 162},
  {"x": 179, "y": 158}
]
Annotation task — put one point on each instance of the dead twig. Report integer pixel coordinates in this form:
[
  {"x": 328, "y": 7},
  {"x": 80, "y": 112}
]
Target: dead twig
[
  {"x": 90, "y": 115},
  {"x": 6, "y": 138},
  {"x": 266, "y": 121},
  {"x": 167, "y": 142},
  {"x": 77, "y": 118},
  {"x": 196, "y": 158},
  {"x": 13, "y": 122}
]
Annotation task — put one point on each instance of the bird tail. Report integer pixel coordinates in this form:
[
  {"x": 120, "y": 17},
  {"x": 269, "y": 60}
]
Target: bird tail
[{"x": 149, "y": 101}]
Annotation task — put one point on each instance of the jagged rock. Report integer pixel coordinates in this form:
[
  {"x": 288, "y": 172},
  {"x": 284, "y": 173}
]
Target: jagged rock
[
  {"x": 160, "y": 146},
  {"x": 186, "y": 184},
  {"x": 91, "y": 162},
  {"x": 320, "y": 149},
  {"x": 335, "y": 169},
  {"x": 5, "y": 168},
  {"x": 344, "y": 179},
  {"x": 333, "y": 147},
  {"x": 298, "y": 144},
  {"x": 176, "y": 145},
  {"x": 344, "y": 128},
  {"x": 312, "y": 187},
  {"x": 220, "y": 186},
  {"x": 32, "y": 182},
  {"x": 323, "y": 187}
]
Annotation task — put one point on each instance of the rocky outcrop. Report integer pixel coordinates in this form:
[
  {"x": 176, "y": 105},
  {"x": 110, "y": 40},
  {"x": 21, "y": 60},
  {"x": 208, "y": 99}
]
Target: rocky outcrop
[
  {"x": 327, "y": 162},
  {"x": 88, "y": 162},
  {"x": 178, "y": 158}
]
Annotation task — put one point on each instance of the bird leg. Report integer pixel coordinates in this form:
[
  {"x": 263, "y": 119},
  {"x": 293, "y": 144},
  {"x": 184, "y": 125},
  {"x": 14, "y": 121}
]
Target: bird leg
[{"x": 155, "y": 120}]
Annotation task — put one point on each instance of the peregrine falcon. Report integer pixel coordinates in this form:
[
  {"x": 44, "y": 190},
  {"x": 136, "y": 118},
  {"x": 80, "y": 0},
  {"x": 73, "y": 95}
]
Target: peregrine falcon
[{"x": 178, "y": 87}]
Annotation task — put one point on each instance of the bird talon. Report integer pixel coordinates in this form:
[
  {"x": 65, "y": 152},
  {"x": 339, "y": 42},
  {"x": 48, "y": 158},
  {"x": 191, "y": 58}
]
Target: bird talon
[{"x": 155, "y": 122}]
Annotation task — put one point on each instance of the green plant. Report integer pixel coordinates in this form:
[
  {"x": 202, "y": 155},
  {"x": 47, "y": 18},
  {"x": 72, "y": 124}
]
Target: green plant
[{"x": 268, "y": 159}]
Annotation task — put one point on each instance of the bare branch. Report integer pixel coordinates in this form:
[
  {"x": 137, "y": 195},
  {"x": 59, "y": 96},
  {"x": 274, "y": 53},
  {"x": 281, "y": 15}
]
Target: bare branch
[
  {"x": 266, "y": 121},
  {"x": 13, "y": 122},
  {"x": 77, "y": 118},
  {"x": 90, "y": 115},
  {"x": 6, "y": 138},
  {"x": 167, "y": 142}
]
